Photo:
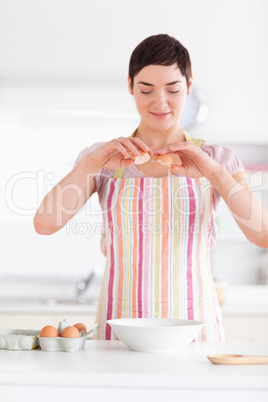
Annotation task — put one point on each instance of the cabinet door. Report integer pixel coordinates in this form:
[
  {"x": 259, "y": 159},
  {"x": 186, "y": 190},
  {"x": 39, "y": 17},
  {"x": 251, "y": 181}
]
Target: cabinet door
[{"x": 250, "y": 328}]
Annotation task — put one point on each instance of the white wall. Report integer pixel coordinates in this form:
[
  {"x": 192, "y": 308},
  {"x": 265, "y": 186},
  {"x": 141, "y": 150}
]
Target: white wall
[
  {"x": 72, "y": 56},
  {"x": 93, "y": 40}
]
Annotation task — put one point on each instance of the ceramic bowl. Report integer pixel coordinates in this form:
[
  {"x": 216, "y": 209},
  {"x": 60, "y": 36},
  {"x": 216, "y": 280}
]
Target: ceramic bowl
[{"x": 155, "y": 334}]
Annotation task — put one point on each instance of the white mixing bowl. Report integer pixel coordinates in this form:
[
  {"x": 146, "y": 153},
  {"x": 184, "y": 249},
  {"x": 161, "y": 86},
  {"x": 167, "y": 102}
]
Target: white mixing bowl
[{"x": 155, "y": 334}]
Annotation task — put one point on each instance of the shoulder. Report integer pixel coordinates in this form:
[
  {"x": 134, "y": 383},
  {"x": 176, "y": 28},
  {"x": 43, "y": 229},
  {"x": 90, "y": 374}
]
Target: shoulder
[
  {"x": 225, "y": 156},
  {"x": 87, "y": 150}
]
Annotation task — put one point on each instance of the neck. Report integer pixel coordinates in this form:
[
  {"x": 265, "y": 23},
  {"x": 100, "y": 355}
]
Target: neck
[{"x": 156, "y": 139}]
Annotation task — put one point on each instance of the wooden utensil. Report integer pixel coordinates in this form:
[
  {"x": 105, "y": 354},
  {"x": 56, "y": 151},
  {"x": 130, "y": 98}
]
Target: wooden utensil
[{"x": 238, "y": 359}]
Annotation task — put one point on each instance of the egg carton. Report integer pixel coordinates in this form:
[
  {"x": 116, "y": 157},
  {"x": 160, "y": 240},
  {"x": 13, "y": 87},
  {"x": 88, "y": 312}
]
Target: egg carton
[
  {"x": 18, "y": 339},
  {"x": 56, "y": 344}
]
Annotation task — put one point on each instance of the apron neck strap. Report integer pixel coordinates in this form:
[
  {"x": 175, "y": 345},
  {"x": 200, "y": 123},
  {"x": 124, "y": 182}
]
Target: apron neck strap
[
  {"x": 195, "y": 141},
  {"x": 118, "y": 173}
]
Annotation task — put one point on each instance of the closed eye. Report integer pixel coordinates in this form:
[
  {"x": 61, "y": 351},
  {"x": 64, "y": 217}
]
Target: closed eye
[{"x": 149, "y": 92}]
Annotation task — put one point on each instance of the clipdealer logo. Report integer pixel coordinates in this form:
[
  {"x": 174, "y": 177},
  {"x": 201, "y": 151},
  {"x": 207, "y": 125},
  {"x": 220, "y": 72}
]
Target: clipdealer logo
[{"x": 42, "y": 183}]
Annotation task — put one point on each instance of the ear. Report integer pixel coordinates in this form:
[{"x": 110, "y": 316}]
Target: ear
[
  {"x": 130, "y": 85},
  {"x": 190, "y": 86}
]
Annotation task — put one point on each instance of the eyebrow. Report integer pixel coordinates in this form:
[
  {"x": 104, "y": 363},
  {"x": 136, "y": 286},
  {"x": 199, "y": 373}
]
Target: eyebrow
[{"x": 151, "y": 85}]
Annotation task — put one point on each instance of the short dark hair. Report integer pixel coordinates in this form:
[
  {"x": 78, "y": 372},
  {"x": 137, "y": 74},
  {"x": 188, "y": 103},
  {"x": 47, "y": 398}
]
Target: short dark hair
[{"x": 161, "y": 50}]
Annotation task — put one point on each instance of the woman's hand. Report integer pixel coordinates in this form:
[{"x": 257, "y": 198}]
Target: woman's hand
[
  {"x": 194, "y": 162},
  {"x": 117, "y": 153}
]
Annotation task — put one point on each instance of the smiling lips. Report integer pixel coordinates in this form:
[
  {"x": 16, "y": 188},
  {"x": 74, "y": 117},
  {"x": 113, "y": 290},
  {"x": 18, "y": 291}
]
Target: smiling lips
[{"x": 160, "y": 115}]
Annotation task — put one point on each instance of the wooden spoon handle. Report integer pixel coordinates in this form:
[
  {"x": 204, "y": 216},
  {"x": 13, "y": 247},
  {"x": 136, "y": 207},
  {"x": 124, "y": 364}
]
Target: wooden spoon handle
[{"x": 238, "y": 359}]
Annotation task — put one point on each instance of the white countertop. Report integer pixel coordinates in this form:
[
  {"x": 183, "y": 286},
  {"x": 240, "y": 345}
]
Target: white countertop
[{"x": 112, "y": 364}]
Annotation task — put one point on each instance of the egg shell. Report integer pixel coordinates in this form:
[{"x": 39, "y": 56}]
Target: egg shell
[
  {"x": 80, "y": 327},
  {"x": 165, "y": 159},
  {"x": 49, "y": 331},
  {"x": 62, "y": 325},
  {"x": 142, "y": 158},
  {"x": 70, "y": 332}
]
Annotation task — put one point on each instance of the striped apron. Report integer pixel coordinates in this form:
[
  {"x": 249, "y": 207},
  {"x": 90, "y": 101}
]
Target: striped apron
[{"x": 158, "y": 233}]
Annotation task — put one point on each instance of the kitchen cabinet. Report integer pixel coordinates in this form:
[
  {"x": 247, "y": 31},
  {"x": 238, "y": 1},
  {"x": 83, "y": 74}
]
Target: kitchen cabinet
[
  {"x": 249, "y": 328},
  {"x": 244, "y": 310},
  {"x": 238, "y": 328},
  {"x": 245, "y": 313}
]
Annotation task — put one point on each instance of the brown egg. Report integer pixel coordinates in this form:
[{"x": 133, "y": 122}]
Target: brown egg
[
  {"x": 49, "y": 331},
  {"x": 70, "y": 332},
  {"x": 80, "y": 327},
  {"x": 165, "y": 159},
  {"x": 142, "y": 158}
]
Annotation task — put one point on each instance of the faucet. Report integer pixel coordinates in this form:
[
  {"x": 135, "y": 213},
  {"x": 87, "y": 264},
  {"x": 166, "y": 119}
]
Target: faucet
[{"x": 83, "y": 284}]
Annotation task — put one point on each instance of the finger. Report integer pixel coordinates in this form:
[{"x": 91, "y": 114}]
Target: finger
[
  {"x": 137, "y": 143},
  {"x": 163, "y": 151},
  {"x": 178, "y": 169},
  {"x": 119, "y": 147},
  {"x": 140, "y": 144},
  {"x": 167, "y": 148},
  {"x": 129, "y": 145},
  {"x": 126, "y": 162},
  {"x": 186, "y": 147}
]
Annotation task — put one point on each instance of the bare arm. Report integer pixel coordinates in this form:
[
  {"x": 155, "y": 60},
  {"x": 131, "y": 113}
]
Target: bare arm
[
  {"x": 73, "y": 191},
  {"x": 247, "y": 210},
  {"x": 66, "y": 198}
]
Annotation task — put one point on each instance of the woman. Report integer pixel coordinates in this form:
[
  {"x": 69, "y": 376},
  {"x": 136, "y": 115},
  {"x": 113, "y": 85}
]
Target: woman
[{"x": 159, "y": 228}]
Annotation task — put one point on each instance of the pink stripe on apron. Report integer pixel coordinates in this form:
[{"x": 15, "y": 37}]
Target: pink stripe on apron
[
  {"x": 147, "y": 255},
  {"x": 111, "y": 278},
  {"x": 190, "y": 260},
  {"x": 190, "y": 250},
  {"x": 140, "y": 248}
]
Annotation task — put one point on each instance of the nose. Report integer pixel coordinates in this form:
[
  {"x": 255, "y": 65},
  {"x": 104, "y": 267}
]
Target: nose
[{"x": 160, "y": 101}]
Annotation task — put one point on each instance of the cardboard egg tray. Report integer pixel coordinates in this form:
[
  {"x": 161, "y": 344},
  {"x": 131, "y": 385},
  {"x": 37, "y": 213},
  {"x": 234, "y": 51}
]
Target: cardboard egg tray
[
  {"x": 62, "y": 344},
  {"x": 26, "y": 339},
  {"x": 18, "y": 339}
]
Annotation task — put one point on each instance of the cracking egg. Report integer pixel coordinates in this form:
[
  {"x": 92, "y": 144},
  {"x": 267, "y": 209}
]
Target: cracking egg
[
  {"x": 142, "y": 158},
  {"x": 165, "y": 159}
]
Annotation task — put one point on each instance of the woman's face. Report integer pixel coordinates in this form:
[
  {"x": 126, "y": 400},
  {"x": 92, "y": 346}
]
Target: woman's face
[{"x": 160, "y": 95}]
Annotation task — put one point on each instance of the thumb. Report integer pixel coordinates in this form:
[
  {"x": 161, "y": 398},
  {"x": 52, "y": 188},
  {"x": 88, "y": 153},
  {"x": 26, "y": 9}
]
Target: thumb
[
  {"x": 178, "y": 169},
  {"x": 125, "y": 162}
]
